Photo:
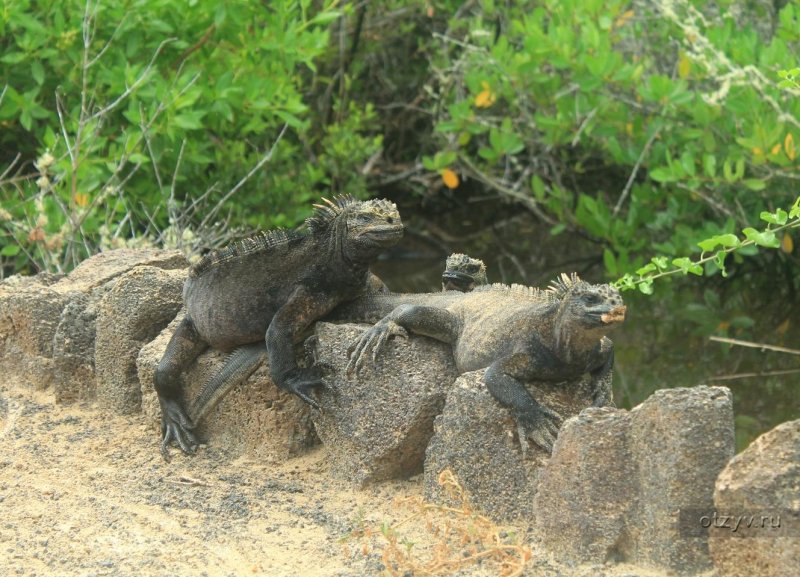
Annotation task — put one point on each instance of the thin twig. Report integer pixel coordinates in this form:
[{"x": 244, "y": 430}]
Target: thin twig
[
  {"x": 266, "y": 158},
  {"x": 105, "y": 110},
  {"x": 632, "y": 177},
  {"x": 750, "y": 375},
  {"x": 753, "y": 345}
]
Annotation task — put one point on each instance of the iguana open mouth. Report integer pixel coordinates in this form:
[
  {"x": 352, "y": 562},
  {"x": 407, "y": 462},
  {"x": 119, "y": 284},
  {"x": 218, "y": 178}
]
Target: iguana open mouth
[{"x": 616, "y": 315}]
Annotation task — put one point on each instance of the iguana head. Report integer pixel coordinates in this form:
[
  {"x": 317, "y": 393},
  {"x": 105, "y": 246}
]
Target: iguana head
[
  {"x": 587, "y": 312},
  {"x": 362, "y": 228},
  {"x": 463, "y": 273}
]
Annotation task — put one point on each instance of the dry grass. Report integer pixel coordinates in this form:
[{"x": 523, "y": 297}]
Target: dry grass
[{"x": 441, "y": 540}]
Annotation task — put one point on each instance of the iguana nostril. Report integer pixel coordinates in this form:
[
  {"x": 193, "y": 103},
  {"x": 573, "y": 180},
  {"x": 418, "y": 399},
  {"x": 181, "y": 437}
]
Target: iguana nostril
[{"x": 390, "y": 220}]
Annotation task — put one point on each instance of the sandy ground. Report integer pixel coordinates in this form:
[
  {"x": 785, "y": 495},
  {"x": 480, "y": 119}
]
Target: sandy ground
[{"x": 87, "y": 494}]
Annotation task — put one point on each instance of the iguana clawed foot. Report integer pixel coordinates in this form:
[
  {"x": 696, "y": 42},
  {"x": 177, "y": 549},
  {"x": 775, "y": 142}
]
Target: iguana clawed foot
[
  {"x": 540, "y": 426},
  {"x": 176, "y": 426},
  {"x": 301, "y": 380},
  {"x": 373, "y": 339}
]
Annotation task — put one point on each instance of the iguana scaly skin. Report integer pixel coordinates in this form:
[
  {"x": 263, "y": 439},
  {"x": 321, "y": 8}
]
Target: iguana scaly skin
[
  {"x": 518, "y": 333},
  {"x": 258, "y": 296},
  {"x": 463, "y": 273}
]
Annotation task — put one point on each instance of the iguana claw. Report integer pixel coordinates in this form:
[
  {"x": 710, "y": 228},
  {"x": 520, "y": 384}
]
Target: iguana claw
[
  {"x": 176, "y": 426},
  {"x": 302, "y": 380},
  {"x": 541, "y": 427},
  {"x": 373, "y": 339}
]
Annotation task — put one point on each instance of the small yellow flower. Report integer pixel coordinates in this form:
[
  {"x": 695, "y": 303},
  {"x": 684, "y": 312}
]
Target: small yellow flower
[
  {"x": 449, "y": 178},
  {"x": 485, "y": 97},
  {"x": 81, "y": 199}
]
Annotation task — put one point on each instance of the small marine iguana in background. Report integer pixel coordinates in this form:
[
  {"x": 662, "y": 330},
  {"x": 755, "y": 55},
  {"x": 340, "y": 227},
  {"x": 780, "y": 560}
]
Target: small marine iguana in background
[
  {"x": 258, "y": 296},
  {"x": 518, "y": 333},
  {"x": 463, "y": 273}
]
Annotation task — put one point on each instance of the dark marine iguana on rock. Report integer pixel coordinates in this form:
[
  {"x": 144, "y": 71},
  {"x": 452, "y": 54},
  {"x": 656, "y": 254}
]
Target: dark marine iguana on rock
[
  {"x": 258, "y": 296},
  {"x": 518, "y": 333},
  {"x": 462, "y": 273}
]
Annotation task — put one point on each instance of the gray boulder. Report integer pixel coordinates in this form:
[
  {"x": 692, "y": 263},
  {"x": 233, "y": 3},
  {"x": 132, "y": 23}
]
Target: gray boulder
[
  {"x": 33, "y": 351},
  {"x": 476, "y": 439},
  {"x": 582, "y": 509},
  {"x": 376, "y": 426},
  {"x": 142, "y": 302},
  {"x": 255, "y": 419},
  {"x": 680, "y": 439},
  {"x": 629, "y": 486},
  {"x": 755, "y": 526}
]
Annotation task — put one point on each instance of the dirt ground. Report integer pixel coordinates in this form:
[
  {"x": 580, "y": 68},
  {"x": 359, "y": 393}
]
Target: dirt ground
[{"x": 83, "y": 493}]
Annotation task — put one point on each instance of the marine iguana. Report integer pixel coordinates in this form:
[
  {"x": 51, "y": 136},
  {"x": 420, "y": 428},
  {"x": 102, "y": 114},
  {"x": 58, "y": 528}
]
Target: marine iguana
[
  {"x": 463, "y": 273},
  {"x": 518, "y": 333},
  {"x": 257, "y": 296}
]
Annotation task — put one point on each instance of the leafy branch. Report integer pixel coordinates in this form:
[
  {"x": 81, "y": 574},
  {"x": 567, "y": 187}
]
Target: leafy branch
[{"x": 714, "y": 250}]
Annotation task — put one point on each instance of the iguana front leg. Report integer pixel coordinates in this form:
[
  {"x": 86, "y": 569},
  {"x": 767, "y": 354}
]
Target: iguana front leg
[
  {"x": 504, "y": 380},
  {"x": 183, "y": 348},
  {"x": 292, "y": 319},
  {"x": 433, "y": 322}
]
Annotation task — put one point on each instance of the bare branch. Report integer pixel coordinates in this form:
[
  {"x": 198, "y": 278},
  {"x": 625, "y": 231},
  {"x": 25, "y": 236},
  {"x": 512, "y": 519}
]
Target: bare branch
[
  {"x": 632, "y": 177},
  {"x": 266, "y": 158},
  {"x": 136, "y": 83},
  {"x": 753, "y": 345}
]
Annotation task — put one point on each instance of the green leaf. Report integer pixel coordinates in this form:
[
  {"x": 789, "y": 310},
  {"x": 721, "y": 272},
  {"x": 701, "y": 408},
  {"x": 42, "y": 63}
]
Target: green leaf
[
  {"x": 646, "y": 287},
  {"x": 766, "y": 238},
  {"x": 726, "y": 240},
  {"x": 37, "y": 72},
  {"x": 710, "y": 165},
  {"x": 610, "y": 261},
  {"x": 10, "y": 250},
  {"x": 662, "y": 174},
  {"x": 648, "y": 268},
  {"x": 688, "y": 266},
  {"x": 754, "y": 184},
  {"x": 779, "y": 217}
]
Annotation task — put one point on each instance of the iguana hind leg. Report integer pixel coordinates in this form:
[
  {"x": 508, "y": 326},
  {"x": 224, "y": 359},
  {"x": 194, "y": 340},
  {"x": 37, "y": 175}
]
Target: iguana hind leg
[
  {"x": 183, "y": 348},
  {"x": 241, "y": 363}
]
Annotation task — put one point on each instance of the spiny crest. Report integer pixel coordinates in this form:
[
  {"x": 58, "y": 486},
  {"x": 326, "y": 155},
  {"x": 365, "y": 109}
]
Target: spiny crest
[
  {"x": 565, "y": 284},
  {"x": 325, "y": 214},
  {"x": 257, "y": 243},
  {"x": 519, "y": 290}
]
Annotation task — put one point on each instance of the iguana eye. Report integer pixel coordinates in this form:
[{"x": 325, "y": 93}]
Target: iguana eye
[
  {"x": 389, "y": 220},
  {"x": 592, "y": 298}
]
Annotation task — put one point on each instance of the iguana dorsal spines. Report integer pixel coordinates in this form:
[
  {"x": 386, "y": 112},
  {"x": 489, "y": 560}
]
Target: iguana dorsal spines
[{"x": 259, "y": 242}]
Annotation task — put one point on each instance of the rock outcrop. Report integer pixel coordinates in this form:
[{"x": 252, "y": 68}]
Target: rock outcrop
[
  {"x": 376, "y": 426},
  {"x": 140, "y": 305},
  {"x": 477, "y": 440},
  {"x": 37, "y": 349},
  {"x": 754, "y": 528},
  {"x": 628, "y": 486}
]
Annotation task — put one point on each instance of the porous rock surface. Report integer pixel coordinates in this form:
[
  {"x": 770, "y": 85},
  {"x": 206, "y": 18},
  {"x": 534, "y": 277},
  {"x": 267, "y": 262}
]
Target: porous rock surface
[
  {"x": 760, "y": 487},
  {"x": 255, "y": 419},
  {"x": 376, "y": 425},
  {"x": 630, "y": 486},
  {"x": 476, "y": 439},
  {"x": 31, "y": 313},
  {"x": 142, "y": 302}
]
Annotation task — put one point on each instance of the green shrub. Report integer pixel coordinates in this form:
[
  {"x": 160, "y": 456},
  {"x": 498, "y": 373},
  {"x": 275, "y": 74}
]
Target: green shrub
[
  {"x": 129, "y": 122},
  {"x": 651, "y": 126}
]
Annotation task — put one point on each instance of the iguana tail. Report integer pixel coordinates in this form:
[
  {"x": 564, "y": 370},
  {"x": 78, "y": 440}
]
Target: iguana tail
[{"x": 241, "y": 363}]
